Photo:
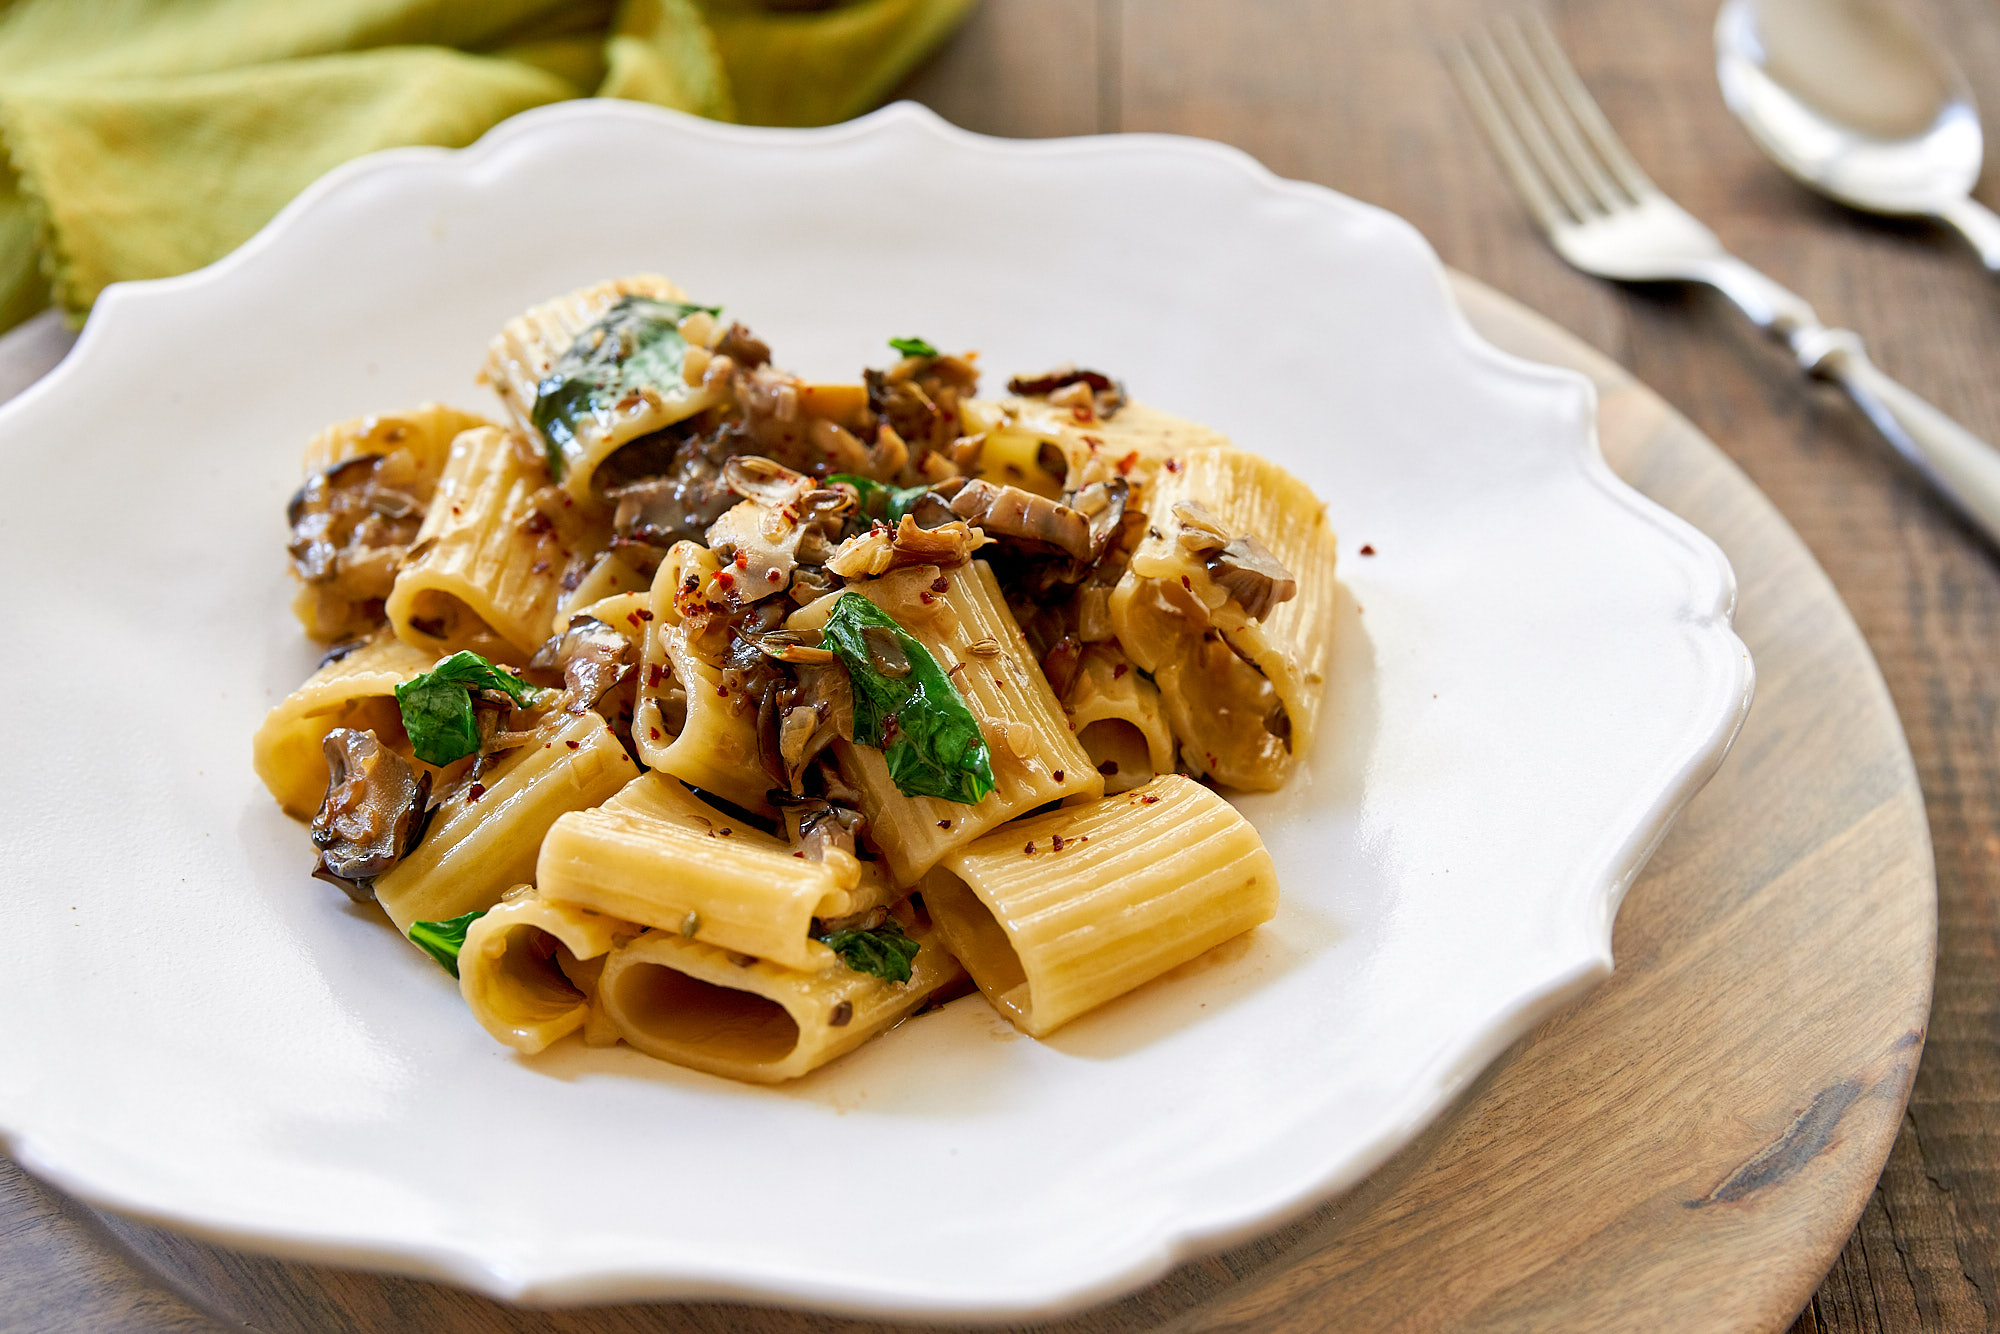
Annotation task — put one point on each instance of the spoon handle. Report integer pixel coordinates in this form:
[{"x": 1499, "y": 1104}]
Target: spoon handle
[{"x": 1979, "y": 225}]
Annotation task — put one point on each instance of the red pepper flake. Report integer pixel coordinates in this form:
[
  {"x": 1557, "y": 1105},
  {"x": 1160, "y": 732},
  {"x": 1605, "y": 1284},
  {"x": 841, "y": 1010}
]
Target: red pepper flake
[
  {"x": 474, "y": 793},
  {"x": 926, "y": 598},
  {"x": 742, "y": 560},
  {"x": 944, "y": 824},
  {"x": 1185, "y": 584},
  {"x": 725, "y": 831},
  {"x": 1119, "y": 669},
  {"x": 536, "y": 524},
  {"x": 1125, "y": 464},
  {"x": 643, "y": 614},
  {"x": 1367, "y": 549},
  {"x": 1108, "y": 768},
  {"x": 1083, "y": 414},
  {"x": 1148, "y": 800},
  {"x": 800, "y": 855},
  {"x": 655, "y": 674},
  {"x": 633, "y": 618},
  {"x": 539, "y": 567},
  {"x": 1029, "y": 851},
  {"x": 1055, "y": 843},
  {"x": 1173, "y": 465},
  {"x": 1057, "y": 775},
  {"x": 723, "y": 691},
  {"x": 655, "y": 732},
  {"x": 574, "y": 745},
  {"x": 1094, "y": 442},
  {"x": 773, "y": 576},
  {"x": 1083, "y": 838},
  {"x": 940, "y": 585},
  {"x": 726, "y": 579}
]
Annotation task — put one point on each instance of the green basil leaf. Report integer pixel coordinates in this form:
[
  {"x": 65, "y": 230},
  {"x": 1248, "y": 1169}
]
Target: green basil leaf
[
  {"x": 920, "y": 723},
  {"x": 913, "y": 347},
  {"x": 443, "y": 940},
  {"x": 635, "y": 344},
  {"x": 879, "y": 500},
  {"x": 885, "y": 952},
  {"x": 437, "y": 706}
]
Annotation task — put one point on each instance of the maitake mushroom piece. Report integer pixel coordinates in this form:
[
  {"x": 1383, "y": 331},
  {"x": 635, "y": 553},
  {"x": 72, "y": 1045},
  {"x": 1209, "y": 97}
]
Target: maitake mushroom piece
[
  {"x": 593, "y": 659},
  {"x": 351, "y": 528},
  {"x": 376, "y": 808},
  {"x": 783, "y": 521},
  {"x": 1242, "y": 567}
]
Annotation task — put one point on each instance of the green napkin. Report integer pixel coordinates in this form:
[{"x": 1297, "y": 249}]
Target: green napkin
[{"x": 148, "y": 137}]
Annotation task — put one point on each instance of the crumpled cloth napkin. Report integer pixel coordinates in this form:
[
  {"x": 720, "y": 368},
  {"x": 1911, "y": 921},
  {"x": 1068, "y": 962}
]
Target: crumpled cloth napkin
[{"x": 144, "y": 138}]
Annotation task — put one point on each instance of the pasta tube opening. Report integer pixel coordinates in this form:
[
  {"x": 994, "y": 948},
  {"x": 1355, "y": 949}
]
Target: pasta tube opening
[
  {"x": 528, "y": 968},
  {"x": 681, "y": 1012},
  {"x": 748, "y": 1018}
]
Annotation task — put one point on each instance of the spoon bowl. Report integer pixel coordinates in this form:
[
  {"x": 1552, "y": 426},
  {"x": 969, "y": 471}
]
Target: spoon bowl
[{"x": 1856, "y": 103}]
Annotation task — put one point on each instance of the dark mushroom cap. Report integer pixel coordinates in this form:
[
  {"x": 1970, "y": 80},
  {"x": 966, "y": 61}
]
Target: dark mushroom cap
[{"x": 376, "y": 808}]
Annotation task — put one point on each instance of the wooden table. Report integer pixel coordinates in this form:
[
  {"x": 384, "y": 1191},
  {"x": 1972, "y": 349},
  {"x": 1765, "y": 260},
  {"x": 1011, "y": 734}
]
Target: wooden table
[{"x": 1352, "y": 95}]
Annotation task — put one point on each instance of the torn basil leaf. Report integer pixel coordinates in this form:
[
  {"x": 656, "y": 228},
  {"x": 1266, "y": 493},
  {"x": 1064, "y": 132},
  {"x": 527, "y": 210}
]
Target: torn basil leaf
[
  {"x": 437, "y": 706},
  {"x": 634, "y": 345},
  {"x": 886, "y": 952},
  {"x": 443, "y": 940},
  {"x": 913, "y": 347},
  {"x": 918, "y": 720},
  {"x": 879, "y": 500}
]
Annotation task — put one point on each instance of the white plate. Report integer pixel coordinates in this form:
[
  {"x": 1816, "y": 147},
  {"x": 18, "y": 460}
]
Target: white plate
[{"x": 1535, "y": 672}]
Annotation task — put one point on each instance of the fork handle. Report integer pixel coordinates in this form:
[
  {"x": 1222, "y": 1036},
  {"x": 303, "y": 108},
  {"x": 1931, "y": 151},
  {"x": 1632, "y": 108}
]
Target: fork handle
[
  {"x": 1958, "y": 463},
  {"x": 1961, "y": 466}
]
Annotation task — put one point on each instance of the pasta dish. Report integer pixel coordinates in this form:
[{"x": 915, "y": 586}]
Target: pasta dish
[{"x": 739, "y": 717}]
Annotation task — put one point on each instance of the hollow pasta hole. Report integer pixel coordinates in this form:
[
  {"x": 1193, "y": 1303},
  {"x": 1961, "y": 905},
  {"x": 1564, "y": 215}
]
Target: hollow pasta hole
[
  {"x": 1121, "y": 745},
  {"x": 534, "y": 985},
  {"x": 671, "y": 1007}
]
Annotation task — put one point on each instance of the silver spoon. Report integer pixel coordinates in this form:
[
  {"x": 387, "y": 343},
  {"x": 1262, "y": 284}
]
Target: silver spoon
[{"x": 1856, "y": 103}]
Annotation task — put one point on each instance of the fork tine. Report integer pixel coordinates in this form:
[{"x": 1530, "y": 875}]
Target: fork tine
[
  {"x": 1558, "y": 117},
  {"x": 1584, "y": 108},
  {"x": 1506, "y": 143},
  {"x": 1506, "y": 87}
]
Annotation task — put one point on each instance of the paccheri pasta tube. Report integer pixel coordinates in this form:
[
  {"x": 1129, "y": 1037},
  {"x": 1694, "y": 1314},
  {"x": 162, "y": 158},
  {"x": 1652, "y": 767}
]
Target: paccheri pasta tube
[
  {"x": 750, "y": 1019},
  {"x": 1055, "y": 915},
  {"x": 724, "y": 713},
  {"x": 1229, "y": 603}
]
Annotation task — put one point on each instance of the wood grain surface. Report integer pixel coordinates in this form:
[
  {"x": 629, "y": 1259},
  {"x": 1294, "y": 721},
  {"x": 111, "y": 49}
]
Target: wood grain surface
[{"x": 1793, "y": 888}]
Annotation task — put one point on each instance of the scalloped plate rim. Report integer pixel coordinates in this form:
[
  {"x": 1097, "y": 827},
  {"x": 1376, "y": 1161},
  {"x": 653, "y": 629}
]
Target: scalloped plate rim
[{"x": 1726, "y": 660}]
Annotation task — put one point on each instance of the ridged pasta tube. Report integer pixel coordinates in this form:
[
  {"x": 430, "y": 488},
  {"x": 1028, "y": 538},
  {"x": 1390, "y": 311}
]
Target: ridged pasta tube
[
  {"x": 687, "y": 722},
  {"x": 1119, "y": 721},
  {"x": 481, "y": 843},
  {"x": 485, "y": 572},
  {"x": 659, "y": 856},
  {"x": 1243, "y": 695},
  {"x": 961, "y": 617},
  {"x": 410, "y": 450},
  {"x": 1055, "y": 915},
  {"x": 528, "y": 348},
  {"x": 1023, "y": 436},
  {"x": 355, "y": 691},
  {"x": 418, "y": 440},
  {"x": 746, "y": 1018},
  {"x": 526, "y": 967}
]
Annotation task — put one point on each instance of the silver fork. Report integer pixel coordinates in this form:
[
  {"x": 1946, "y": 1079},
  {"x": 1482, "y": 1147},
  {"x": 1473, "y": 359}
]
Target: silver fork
[{"x": 1606, "y": 217}]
